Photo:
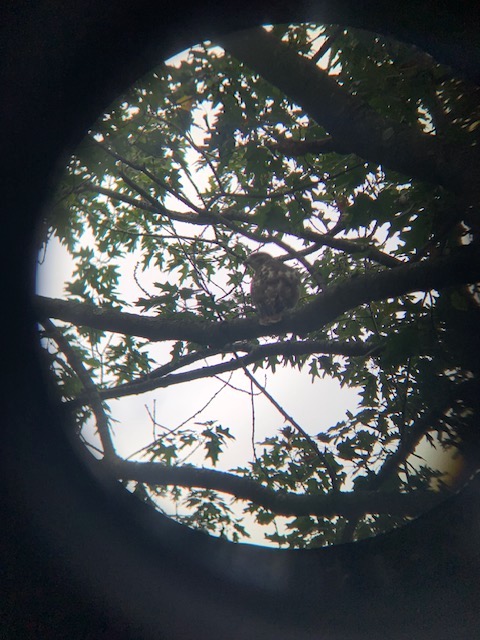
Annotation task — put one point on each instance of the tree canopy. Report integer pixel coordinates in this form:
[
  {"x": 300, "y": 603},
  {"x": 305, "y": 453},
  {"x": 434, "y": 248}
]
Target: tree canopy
[{"x": 352, "y": 158}]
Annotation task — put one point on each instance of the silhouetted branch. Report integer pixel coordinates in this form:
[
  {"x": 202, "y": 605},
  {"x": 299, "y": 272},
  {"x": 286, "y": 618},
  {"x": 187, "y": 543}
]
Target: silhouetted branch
[
  {"x": 283, "y": 503},
  {"x": 91, "y": 391},
  {"x": 354, "y": 126},
  {"x": 161, "y": 377},
  {"x": 461, "y": 267}
]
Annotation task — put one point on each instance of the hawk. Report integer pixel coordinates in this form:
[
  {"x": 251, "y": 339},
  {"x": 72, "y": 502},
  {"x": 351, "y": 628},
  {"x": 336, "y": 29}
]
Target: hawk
[{"x": 275, "y": 287}]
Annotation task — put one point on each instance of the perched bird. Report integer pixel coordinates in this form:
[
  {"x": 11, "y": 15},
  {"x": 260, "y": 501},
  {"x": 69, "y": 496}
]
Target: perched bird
[{"x": 275, "y": 287}]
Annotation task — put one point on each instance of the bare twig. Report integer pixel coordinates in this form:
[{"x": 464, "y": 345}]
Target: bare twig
[{"x": 312, "y": 444}]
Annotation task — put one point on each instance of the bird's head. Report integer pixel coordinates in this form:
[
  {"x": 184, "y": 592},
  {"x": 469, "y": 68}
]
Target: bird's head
[{"x": 257, "y": 260}]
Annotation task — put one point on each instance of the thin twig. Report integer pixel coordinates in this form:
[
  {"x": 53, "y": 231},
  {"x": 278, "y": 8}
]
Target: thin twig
[{"x": 321, "y": 456}]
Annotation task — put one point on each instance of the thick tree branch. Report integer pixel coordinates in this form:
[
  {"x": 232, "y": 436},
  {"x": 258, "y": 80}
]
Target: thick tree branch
[
  {"x": 461, "y": 267},
  {"x": 354, "y": 126},
  {"x": 283, "y": 503}
]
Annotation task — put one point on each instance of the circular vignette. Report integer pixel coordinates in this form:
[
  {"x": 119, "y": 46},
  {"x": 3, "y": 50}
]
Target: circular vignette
[{"x": 89, "y": 558}]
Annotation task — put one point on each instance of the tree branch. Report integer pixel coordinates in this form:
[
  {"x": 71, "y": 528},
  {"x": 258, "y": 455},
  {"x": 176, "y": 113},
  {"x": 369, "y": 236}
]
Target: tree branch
[
  {"x": 461, "y": 267},
  {"x": 354, "y": 126},
  {"x": 311, "y": 442},
  {"x": 407, "y": 446},
  {"x": 160, "y": 378},
  {"x": 229, "y": 217},
  {"x": 352, "y": 504},
  {"x": 91, "y": 391}
]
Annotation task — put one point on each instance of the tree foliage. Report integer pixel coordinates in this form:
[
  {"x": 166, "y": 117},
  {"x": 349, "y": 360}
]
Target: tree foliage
[{"x": 352, "y": 157}]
